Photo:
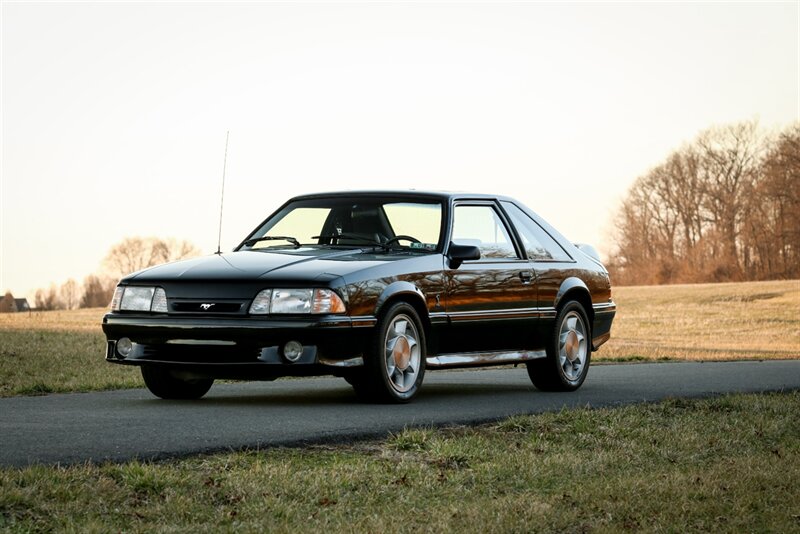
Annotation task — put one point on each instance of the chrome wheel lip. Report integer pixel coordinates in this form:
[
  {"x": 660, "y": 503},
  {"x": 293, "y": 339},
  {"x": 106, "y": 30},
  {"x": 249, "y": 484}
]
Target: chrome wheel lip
[
  {"x": 401, "y": 353},
  {"x": 573, "y": 346}
]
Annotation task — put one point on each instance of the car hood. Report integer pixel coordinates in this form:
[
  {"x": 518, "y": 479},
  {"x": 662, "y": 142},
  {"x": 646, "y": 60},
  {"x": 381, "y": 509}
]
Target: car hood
[{"x": 298, "y": 264}]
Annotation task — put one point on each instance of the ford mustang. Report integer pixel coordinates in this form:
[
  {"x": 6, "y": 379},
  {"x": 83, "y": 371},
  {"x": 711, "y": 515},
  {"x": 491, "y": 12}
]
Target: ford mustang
[{"x": 375, "y": 287}]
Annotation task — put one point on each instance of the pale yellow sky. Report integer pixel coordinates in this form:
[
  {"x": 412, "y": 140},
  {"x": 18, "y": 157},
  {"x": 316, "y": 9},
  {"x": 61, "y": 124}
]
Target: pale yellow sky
[{"x": 114, "y": 115}]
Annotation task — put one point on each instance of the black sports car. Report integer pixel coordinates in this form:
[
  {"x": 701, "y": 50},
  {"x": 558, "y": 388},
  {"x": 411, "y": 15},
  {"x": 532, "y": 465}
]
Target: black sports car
[{"x": 375, "y": 287}]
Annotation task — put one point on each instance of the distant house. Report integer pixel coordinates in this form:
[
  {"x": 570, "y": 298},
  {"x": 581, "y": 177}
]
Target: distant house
[{"x": 8, "y": 304}]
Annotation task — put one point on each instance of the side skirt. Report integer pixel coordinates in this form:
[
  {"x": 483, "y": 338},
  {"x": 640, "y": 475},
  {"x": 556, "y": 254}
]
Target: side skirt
[{"x": 476, "y": 359}]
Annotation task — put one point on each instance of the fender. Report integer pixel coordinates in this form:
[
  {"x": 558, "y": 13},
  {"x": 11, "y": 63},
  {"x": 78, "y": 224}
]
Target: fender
[
  {"x": 570, "y": 284},
  {"x": 400, "y": 288}
]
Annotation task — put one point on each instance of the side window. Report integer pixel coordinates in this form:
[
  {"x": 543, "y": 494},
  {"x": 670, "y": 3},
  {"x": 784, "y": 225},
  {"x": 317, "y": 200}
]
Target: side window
[
  {"x": 423, "y": 221},
  {"x": 538, "y": 243},
  {"x": 481, "y": 226}
]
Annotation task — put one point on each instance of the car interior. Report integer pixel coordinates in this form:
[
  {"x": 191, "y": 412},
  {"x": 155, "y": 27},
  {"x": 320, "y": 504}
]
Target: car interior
[{"x": 360, "y": 223}]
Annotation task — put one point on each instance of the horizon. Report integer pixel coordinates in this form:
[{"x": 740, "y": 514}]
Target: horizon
[{"x": 114, "y": 116}]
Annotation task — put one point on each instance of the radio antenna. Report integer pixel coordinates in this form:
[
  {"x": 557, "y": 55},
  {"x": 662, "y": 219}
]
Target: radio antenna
[{"x": 222, "y": 195}]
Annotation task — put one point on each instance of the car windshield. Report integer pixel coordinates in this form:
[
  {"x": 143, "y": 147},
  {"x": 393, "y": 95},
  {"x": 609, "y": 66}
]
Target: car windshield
[{"x": 351, "y": 222}]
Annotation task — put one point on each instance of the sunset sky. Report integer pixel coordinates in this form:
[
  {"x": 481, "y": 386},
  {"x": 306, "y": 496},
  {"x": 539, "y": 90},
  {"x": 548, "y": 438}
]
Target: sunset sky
[{"x": 114, "y": 114}]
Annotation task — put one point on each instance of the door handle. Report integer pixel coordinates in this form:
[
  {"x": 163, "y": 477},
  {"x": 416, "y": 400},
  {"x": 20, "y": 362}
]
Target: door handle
[{"x": 526, "y": 277}]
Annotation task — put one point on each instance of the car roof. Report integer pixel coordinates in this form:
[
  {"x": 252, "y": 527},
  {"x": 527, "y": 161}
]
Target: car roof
[{"x": 442, "y": 195}]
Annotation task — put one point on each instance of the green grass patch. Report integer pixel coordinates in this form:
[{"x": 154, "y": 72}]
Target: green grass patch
[
  {"x": 43, "y": 359},
  {"x": 36, "y": 389},
  {"x": 727, "y": 464}
]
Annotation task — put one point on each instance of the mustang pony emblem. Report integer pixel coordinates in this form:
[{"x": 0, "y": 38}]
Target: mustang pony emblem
[{"x": 206, "y": 307}]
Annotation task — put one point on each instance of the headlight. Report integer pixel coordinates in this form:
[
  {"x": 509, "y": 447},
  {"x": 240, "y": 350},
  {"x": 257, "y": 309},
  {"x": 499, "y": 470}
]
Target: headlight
[
  {"x": 261, "y": 303},
  {"x": 291, "y": 300},
  {"x": 134, "y": 298},
  {"x": 137, "y": 298},
  {"x": 297, "y": 301}
]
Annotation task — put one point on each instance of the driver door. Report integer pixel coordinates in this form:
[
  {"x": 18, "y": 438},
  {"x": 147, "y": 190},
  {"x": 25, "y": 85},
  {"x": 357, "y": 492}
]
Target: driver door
[{"x": 490, "y": 301}]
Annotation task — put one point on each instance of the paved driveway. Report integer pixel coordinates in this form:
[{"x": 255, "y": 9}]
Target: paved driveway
[{"x": 119, "y": 425}]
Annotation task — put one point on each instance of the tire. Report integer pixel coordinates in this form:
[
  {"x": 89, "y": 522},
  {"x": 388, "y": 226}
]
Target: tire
[
  {"x": 359, "y": 382},
  {"x": 163, "y": 383},
  {"x": 394, "y": 366},
  {"x": 569, "y": 352}
]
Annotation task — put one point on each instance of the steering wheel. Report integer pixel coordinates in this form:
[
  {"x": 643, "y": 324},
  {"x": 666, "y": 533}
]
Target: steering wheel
[{"x": 402, "y": 237}]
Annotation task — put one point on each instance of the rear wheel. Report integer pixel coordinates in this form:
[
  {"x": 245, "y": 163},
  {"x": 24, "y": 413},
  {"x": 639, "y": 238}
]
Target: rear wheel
[
  {"x": 395, "y": 365},
  {"x": 163, "y": 383},
  {"x": 568, "y": 352}
]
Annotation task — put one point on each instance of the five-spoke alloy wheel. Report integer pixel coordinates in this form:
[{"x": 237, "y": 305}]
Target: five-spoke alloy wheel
[
  {"x": 568, "y": 352},
  {"x": 572, "y": 345},
  {"x": 395, "y": 365},
  {"x": 401, "y": 351}
]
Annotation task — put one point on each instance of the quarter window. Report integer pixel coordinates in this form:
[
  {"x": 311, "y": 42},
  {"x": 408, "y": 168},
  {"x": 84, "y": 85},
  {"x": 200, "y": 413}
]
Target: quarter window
[
  {"x": 482, "y": 227},
  {"x": 538, "y": 243}
]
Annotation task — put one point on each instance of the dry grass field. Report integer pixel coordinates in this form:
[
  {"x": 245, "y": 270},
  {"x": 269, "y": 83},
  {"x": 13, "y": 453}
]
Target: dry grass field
[
  {"x": 48, "y": 352},
  {"x": 751, "y": 320}
]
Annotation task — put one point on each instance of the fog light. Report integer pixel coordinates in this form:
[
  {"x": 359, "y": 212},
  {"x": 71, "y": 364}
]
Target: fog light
[
  {"x": 124, "y": 347},
  {"x": 292, "y": 351}
]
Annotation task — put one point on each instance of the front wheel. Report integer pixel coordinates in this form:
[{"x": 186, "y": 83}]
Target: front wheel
[
  {"x": 163, "y": 383},
  {"x": 395, "y": 365},
  {"x": 568, "y": 352}
]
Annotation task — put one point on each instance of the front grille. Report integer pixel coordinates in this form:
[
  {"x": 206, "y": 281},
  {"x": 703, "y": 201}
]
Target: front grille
[{"x": 207, "y": 307}]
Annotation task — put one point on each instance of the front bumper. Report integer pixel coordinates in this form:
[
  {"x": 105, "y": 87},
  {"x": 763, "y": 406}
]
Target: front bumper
[{"x": 221, "y": 345}]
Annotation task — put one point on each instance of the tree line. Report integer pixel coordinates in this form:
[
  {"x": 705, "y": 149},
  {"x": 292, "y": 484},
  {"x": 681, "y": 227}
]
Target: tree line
[
  {"x": 725, "y": 207},
  {"x": 129, "y": 255}
]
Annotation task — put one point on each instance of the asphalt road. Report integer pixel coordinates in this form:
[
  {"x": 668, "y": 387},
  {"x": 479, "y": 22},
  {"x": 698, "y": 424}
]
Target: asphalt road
[{"x": 120, "y": 425}]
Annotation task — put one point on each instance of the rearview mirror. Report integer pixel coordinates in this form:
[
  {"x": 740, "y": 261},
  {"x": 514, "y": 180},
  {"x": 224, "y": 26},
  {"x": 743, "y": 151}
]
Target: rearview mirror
[{"x": 458, "y": 254}]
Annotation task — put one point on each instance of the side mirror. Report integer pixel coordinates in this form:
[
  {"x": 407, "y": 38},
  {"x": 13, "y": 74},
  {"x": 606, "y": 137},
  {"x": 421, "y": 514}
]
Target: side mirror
[{"x": 458, "y": 254}]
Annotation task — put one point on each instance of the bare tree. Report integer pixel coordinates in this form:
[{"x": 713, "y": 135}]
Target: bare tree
[
  {"x": 726, "y": 207},
  {"x": 47, "y": 299},
  {"x": 136, "y": 253},
  {"x": 97, "y": 292},
  {"x": 130, "y": 255},
  {"x": 731, "y": 160},
  {"x": 70, "y": 294},
  {"x": 777, "y": 238}
]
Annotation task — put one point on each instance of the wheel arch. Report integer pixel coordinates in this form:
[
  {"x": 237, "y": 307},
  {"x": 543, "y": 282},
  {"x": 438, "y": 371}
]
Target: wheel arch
[
  {"x": 407, "y": 292},
  {"x": 574, "y": 288}
]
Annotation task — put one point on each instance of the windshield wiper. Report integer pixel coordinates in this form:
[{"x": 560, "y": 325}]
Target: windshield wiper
[
  {"x": 290, "y": 239},
  {"x": 364, "y": 240}
]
